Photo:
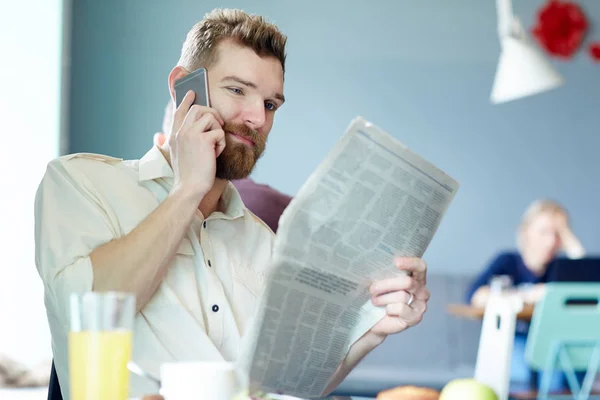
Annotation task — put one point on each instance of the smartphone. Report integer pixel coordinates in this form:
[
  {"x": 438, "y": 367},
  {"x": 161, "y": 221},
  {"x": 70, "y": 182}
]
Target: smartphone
[{"x": 196, "y": 81}]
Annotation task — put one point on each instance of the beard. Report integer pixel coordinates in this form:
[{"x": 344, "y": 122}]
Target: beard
[{"x": 237, "y": 160}]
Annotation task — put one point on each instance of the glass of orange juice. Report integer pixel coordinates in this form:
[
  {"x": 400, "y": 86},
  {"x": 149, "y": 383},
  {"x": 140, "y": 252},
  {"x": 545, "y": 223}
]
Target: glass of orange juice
[{"x": 100, "y": 345}]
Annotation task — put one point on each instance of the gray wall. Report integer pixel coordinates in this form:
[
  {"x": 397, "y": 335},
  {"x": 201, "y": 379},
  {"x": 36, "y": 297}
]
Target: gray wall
[{"x": 420, "y": 69}]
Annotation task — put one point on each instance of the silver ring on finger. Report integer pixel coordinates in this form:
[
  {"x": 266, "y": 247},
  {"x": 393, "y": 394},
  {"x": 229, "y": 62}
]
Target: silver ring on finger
[{"x": 410, "y": 299}]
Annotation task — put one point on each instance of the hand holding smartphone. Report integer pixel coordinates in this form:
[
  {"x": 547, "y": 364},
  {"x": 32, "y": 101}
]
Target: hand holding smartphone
[
  {"x": 197, "y": 137},
  {"x": 197, "y": 81}
]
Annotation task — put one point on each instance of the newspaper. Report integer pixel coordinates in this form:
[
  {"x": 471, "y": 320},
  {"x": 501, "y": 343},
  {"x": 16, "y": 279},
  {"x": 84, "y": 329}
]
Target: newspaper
[{"x": 370, "y": 200}]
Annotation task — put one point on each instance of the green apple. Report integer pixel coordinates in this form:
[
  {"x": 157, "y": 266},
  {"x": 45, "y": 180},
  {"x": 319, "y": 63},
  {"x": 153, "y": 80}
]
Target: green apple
[{"x": 467, "y": 389}]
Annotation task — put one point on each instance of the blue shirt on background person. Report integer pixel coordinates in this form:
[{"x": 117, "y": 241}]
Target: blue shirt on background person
[{"x": 509, "y": 264}]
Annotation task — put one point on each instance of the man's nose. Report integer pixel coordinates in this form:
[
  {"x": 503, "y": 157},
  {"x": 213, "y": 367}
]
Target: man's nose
[{"x": 255, "y": 115}]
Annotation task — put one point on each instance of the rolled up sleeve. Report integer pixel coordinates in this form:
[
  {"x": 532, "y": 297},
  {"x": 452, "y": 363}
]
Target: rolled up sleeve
[{"x": 69, "y": 224}]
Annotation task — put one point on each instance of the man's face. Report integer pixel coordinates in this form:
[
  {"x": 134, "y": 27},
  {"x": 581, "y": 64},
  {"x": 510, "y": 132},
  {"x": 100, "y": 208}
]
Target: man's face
[{"x": 246, "y": 90}]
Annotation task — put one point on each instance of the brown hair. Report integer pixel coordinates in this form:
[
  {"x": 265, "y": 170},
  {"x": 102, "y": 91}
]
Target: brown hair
[{"x": 253, "y": 31}]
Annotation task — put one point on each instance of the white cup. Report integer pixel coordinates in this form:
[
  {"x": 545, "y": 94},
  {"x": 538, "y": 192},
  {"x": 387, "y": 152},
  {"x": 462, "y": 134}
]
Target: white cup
[{"x": 201, "y": 380}]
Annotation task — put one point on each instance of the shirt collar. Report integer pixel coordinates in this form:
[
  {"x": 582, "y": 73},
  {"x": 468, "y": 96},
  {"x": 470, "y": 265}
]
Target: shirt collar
[
  {"x": 232, "y": 202},
  {"x": 154, "y": 165}
]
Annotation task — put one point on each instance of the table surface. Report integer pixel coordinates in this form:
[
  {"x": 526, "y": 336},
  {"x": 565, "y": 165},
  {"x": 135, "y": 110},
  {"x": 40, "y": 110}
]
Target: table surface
[
  {"x": 42, "y": 394},
  {"x": 468, "y": 311}
]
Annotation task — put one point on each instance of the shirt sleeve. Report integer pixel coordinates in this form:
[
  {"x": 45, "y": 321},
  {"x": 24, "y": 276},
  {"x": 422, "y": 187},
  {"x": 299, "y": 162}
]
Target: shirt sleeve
[
  {"x": 502, "y": 264},
  {"x": 69, "y": 224}
]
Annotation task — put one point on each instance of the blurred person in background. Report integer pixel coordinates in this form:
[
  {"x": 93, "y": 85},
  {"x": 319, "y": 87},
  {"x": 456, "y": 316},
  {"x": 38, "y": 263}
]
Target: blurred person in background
[{"x": 543, "y": 233}]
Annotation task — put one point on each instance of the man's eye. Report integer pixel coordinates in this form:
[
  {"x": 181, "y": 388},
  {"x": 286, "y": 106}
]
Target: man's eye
[
  {"x": 236, "y": 90},
  {"x": 270, "y": 106}
]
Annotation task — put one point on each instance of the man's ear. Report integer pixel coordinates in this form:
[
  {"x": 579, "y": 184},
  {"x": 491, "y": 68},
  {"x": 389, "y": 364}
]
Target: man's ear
[
  {"x": 176, "y": 73},
  {"x": 159, "y": 139}
]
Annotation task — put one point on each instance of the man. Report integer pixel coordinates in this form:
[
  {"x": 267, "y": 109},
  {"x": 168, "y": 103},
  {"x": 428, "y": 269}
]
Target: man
[
  {"x": 172, "y": 229},
  {"x": 264, "y": 201}
]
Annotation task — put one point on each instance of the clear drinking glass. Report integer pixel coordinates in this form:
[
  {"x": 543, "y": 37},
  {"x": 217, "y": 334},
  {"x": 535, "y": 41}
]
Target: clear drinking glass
[
  {"x": 100, "y": 341},
  {"x": 500, "y": 283}
]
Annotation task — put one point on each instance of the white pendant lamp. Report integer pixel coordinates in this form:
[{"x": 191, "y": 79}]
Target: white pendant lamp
[{"x": 522, "y": 69}]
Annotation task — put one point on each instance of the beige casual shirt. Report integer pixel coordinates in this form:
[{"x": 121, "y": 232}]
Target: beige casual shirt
[{"x": 210, "y": 291}]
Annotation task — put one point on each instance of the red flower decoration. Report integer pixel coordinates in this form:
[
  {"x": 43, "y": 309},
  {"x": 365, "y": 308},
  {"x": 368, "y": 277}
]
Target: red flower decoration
[
  {"x": 560, "y": 28},
  {"x": 595, "y": 51}
]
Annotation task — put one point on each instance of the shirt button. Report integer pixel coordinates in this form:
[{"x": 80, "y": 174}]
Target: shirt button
[
  {"x": 215, "y": 308},
  {"x": 209, "y": 263},
  {"x": 204, "y": 224}
]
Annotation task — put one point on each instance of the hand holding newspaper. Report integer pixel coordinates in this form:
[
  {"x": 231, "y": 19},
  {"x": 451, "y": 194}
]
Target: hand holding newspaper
[{"x": 371, "y": 200}]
